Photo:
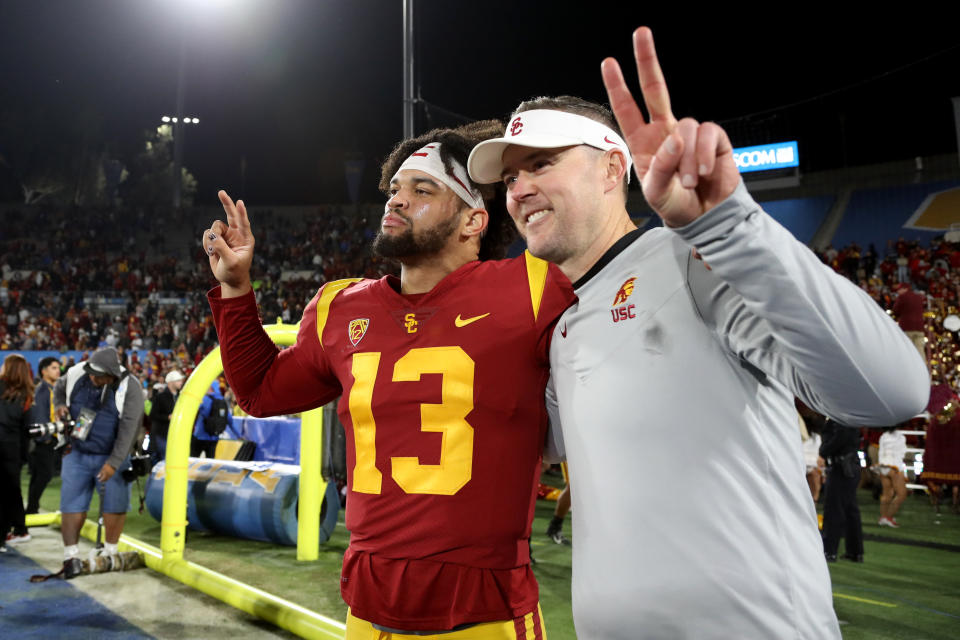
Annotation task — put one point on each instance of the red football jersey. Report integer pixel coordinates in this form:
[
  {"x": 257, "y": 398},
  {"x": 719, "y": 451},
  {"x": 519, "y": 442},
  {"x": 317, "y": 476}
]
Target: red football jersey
[{"x": 445, "y": 424}]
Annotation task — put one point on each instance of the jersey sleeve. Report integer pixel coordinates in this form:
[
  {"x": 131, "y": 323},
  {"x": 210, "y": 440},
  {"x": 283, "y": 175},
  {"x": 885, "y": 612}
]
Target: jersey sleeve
[
  {"x": 778, "y": 308},
  {"x": 268, "y": 381},
  {"x": 550, "y": 295}
]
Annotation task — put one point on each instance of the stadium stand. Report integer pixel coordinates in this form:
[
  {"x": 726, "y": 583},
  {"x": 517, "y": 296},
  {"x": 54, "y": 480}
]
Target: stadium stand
[
  {"x": 802, "y": 216},
  {"x": 878, "y": 215},
  {"x": 134, "y": 279}
]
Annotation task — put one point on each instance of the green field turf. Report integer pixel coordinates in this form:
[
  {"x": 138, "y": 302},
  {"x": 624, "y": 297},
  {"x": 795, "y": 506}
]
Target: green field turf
[{"x": 900, "y": 592}]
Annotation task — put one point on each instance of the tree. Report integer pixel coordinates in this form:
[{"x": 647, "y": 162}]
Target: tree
[
  {"x": 53, "y": 150},
  {"x": 150, "y": 182}
]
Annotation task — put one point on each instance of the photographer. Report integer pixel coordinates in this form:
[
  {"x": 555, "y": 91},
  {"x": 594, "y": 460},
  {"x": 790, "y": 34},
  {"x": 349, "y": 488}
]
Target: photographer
[
  {"x": 106, "y": 402},
  {"x": 16, "y": 395},
  {"x": 42, "y": 461}
]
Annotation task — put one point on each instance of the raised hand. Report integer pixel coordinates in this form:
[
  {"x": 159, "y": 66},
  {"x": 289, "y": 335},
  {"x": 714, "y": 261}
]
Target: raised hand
[
  {"x": 685, "y": 168},
  {"x": 230, "y": 247}
]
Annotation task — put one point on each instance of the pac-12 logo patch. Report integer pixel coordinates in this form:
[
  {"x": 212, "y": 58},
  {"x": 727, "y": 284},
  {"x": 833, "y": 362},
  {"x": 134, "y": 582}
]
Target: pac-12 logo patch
[
  {"x": 358, "y": 329},
  {"x": 626, "y": 290}
]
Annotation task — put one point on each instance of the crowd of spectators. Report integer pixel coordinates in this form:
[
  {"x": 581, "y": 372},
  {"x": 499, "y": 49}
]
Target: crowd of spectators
[
  {"x": 79, "y": 278},
  {"x": 931, "y": 271},
  {"x": 138, "y": 281},
  {"x": 920, "y": 286},
  {"x": 296, "y": 255}
]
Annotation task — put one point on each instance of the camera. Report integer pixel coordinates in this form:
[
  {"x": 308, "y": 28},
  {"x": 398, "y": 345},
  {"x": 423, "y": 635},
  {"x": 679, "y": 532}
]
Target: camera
[
  {"x": 44, "y": 429},
  {"x": 139, "y": 467},
  {"x": 77, "y": 429}
]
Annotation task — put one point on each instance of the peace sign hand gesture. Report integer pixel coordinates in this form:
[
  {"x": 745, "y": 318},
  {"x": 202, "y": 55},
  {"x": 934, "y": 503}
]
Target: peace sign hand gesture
[
  {"x": 685, "y": 168},
  {"x": 230, "y": 247}
]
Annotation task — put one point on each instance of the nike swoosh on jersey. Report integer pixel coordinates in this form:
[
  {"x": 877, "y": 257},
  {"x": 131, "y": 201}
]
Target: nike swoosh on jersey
[
  {"x": 563, "y": 331},
  {"x": 462, "y": 322}
]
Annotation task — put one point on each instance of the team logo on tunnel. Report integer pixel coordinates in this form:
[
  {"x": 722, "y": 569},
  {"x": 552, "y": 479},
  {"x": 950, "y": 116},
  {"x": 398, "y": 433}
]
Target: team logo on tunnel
[{"x": 358, "y": 328}]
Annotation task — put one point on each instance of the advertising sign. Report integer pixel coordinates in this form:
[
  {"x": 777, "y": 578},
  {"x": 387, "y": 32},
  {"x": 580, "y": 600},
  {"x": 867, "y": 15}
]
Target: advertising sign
[{"x": 767, "y": 156}]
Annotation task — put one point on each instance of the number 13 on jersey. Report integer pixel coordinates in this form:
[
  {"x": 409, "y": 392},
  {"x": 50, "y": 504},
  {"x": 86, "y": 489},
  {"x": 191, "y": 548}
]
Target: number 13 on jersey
[{"x": 448, "y": 418}]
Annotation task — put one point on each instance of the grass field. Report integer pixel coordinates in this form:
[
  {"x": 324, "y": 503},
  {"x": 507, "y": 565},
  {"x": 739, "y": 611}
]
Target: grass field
[{"x": 902, "y": 591}]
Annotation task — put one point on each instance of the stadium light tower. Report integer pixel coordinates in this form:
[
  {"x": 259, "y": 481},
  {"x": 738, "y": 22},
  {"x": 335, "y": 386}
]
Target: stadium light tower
[
  {"x": 176, "y": 124},
  {"x": 177, "y": 114},
  {"x": 175, "y": 120},
  {"x": 192, "y": 11},
  {"x": 408, "y": 79}
]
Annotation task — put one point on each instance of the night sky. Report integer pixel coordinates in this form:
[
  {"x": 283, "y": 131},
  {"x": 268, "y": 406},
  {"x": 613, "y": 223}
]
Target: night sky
[{"x": 294, "y": 85}]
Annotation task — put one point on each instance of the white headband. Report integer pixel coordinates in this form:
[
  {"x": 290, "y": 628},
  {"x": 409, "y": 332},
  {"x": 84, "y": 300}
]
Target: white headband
[
  {"x": 542, "y": 129},
  {"x": 427, "y": 159}
]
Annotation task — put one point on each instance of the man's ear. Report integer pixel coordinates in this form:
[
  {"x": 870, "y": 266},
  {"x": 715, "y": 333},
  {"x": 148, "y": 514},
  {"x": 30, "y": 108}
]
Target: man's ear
[
  {"x": 475, "y": 222},
  {"x": 615, "y": 166}
]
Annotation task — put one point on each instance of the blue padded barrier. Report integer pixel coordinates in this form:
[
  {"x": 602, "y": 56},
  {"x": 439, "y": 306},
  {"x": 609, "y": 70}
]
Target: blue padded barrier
[{"x": 252, "y": 500}]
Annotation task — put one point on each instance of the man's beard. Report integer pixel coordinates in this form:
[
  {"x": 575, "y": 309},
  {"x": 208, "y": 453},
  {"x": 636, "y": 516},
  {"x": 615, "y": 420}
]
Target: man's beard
[{"x": 408, "y": 245}]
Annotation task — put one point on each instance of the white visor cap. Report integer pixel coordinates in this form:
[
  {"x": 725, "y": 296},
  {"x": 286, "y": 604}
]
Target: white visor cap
[{"x": 542, "y": 129}]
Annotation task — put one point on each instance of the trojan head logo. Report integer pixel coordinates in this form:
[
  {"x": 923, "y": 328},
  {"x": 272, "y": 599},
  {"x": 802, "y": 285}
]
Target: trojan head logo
[
  {"x": 625, "y": 291},
  {"x": 358, "y": 329},
  {"x": 410, "y": 322},
  {"x": 516, "y": 126}
]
